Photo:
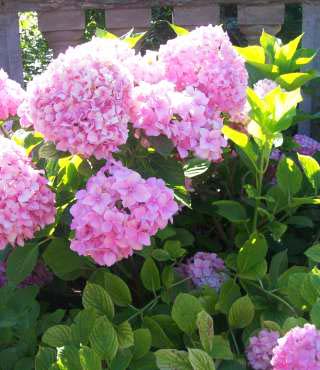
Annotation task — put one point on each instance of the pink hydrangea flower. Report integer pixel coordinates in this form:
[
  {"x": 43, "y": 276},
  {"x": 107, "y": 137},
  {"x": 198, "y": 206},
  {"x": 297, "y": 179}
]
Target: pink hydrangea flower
[
  {"x": 184, "y": 117},
  {"x": 307, "y": 145},
  {"x": 118, "y": 212},
  {"x": 299, "y": 349},
  {"x": 263, "y": 87},
  {"x": 81, "y": 102},
  {"x": 259, "y": 350},
  {"x": 205, "y": 269},
  {"x": 206, "y": 60},
  {"x": 11, "y": 96},
  {"x": 146, "y": 68},
  {"x": 26, "y": 202}
]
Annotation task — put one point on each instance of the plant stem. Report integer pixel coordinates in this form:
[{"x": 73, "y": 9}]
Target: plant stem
[
  {"x": 234, "y": 341},
  {"x": 273, "y": 296}
]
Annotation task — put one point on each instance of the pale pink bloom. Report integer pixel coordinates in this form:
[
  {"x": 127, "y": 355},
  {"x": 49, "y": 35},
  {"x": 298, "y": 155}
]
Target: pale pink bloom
[
  {"x": 81, "y": 102},
  {"x": 11, "y": 96},
  {"x": 206, "y": 60},
  {"x": 26, "y": 202},
  {"x": 118, "y": 212}
]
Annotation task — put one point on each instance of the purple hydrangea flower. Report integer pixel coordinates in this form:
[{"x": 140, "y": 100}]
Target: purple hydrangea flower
[
  {"x": 205, "y": 269},
  {"x": 299, "y": 349},
  {"x": 308, "y": 146},
  {"x": 40, "y": 276},
  {"x": 259, "y": 350}
]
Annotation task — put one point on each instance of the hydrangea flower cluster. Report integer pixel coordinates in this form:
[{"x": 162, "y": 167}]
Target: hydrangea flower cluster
[
  {"x": 259, "y": 351},
  {"x": 299, "y": 349},
  {"x": 205, "y": 59},
  {"x": 11, "y": 96},
  {"x": 118, "y": 212},
  {"x": 40, "y": 276},
  {"x": 205, "y": 269},
  {"x": 26, "y": 202},
  {"x": 159, "y": 109},
  {"x": 307, "y": 145},
  {"x": 81, "y": 102}
]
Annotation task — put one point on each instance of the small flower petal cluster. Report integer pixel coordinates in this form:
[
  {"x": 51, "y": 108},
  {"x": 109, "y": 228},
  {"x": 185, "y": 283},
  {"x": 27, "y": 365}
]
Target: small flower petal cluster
[
  {"x": 26, "y": 202},
  {"x": 307, "y": 145},
  {"x": 40, "y": 276},
  {"x": 81, "y": 102},
  {"x": 11, "y": 96},
  {"x": 263, "y": 87},
  {"x": 146, "y": 68},
  {"x": 205, "y": 269},
  {"x": 159, "y": 109},
  {"x": 259, "y": 351},
  {"x": 206, "y": 60},
  {"x": 299, "y": 349},
  {"x": 118, "y": 212}
]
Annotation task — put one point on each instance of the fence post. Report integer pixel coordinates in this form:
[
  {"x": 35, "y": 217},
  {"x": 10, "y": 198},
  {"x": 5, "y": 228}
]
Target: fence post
[
  {"x": 252, "y": 19},
  {"x": 191, "y": 16},
  {"x": 10, "y": 53},
  {"x": 62, "y": 28},
  {"x": 120, "y": 20},
  {"x": 311, "y": 39}
]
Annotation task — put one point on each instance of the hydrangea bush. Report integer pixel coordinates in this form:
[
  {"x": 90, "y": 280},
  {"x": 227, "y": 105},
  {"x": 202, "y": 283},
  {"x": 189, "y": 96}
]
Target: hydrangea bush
[{"x": 160, "y": 211}]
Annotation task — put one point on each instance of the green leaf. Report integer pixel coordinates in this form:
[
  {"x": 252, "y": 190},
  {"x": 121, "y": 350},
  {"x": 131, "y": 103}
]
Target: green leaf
[
  {"x": 105, "y": 34},
  {"x": 289, "y": 176},
  {"x": 300, "y": 221},
  {"x": 171, "y": 359},
  {"x": 294, "y": 290},
  {"x": 114, "y": 285},
  {"x": 200, "y": 360},
  {"x": 150, "y": 275},
  {"x": 125, "y": 335},
  {"x": 180, "y": 31},
  {"x": 243, "y": 142},
  {"x": 65, "y": 263},
  {"x": 57, "y": 336},
  {"x": 315, "y": 314},
  {"x": 293, "y": 322},
  {"x": 241, "y": 313},
  {"x": 284, "y": 55},
  {"x": 103, "y": 339},
  {"x": 167, "y": 276},
  {"x": 83, "y": 325},
  {"x": 282, "y": 108},
  {"x": 231, "y": 210},
  {"x": 173, "y": 248},
  {"x": 25, "y": 363},
  {"x": 168, "y": 169},
  {"x": 302, "y": 57},
  {"x": 160, "y": 255},
  {"x": 133, "y": 40},
  {"x": 229, "y": 292},
  {"x": 162, "y": 145},
  {"x": 48, "y": 151},
  {"x": 196, "y": 167},
  {"x": 68, "y": 356},
  {"x": 21, "y": 263},
  {"x": 122, "y": 360},
  {"x": 279, "y": 264},
  {"x": 221, "y": 348},
  {"x": 205, "y": 328},
  {"x": 277, "y": 230},
  {"x": 253, "y": 53},
  {"x": 184, "y": 312},
  {"x": 89, "y": 359},
  {"x": 311, "y": 169},
  {"x": 269, "y": 44},
  {"x": 313, "y": 253},
  {"x": 292, "y": 81},
  {"x": 45, "y": 358},
  {"x": 142, "y": 343},
  {"x": 159, "y": 337},
  {"x": 251, "y": 258},
  {"x": 95, "y": 297}
]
